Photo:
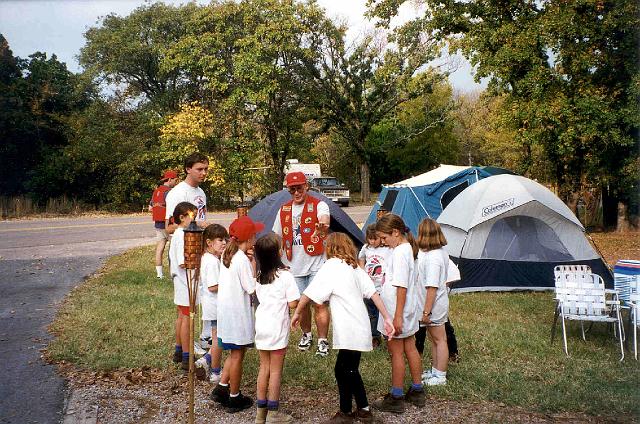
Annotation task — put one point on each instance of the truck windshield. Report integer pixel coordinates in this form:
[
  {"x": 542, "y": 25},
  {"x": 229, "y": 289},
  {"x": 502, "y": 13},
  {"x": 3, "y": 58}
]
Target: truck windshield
[{"x": 325, "y": 181}]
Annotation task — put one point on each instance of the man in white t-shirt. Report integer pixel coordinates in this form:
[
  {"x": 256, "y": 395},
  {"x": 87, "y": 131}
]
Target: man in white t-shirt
[
  {"x": 303, "y": 223},
  {"x": 196, "y": 166}
]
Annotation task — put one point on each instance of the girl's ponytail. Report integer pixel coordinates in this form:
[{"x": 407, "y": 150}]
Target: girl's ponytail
[
  {"x": 412, "y": 241},
  {"x": 231, "y": 249}
]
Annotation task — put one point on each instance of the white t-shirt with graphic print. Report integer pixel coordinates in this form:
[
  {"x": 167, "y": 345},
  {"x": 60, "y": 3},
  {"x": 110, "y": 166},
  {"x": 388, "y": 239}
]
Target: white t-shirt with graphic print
[
  {"x": 183, "y": 192},
  {"x": 375, "y": 263},
  {"x": 301, "y": 263}
]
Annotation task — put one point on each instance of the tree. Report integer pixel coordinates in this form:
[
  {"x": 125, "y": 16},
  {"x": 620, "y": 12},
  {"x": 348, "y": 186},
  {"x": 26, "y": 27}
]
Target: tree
[
  {"x": 37, "y": 95},
  {"x": 126, "y": 53},
  {"x": 569, "y": 72},
  {"x": 357, "y": 89},
  {"x": 250, "y": 56}
]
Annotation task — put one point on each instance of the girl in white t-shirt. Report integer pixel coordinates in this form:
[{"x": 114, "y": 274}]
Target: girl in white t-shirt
[
  {"x": 373, "y": 258},
  {"x": 215, "y": 240},
  {"x": 344, "y": 285},
  {"x": 277, "y": 292},
  {"x": 235, "y": 312},
  {"x": 433, "y": 263},
  {"x": 182, "y": 215},
  {"x": 400, "y": 296}
]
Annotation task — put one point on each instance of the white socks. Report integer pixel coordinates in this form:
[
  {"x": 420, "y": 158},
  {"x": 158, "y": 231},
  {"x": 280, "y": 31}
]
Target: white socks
[
  {"x": 438, "y": 373},
  {"x": 159, "y": 271}
]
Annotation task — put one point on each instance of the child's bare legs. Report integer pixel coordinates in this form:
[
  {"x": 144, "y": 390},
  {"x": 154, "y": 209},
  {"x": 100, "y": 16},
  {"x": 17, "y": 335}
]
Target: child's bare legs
[
  {"x": 439, "y": 348},
  {"x": 215, "y": 351},
  {"x": 396, "y": 350},
  {"x": 276, "y": 363},
  {"x": 184, "y": 333},
  {"x": 263, "y": 375},
  {"x": 413, "y": 359},
  {"x": 234, "y": 364},
  {"x": 178, "y": 326},
  {"x": 270, "y": 375}
]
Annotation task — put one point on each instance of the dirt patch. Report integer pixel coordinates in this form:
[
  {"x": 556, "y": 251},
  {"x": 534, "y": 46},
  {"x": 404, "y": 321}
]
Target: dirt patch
[{"x": 160, "y": 396}]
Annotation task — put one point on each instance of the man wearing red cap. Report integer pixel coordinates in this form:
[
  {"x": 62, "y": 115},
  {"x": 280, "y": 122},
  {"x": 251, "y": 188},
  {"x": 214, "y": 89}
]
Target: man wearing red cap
[
  {"x": 158, "y": 208},
  {"x": 303, "y": 223}
]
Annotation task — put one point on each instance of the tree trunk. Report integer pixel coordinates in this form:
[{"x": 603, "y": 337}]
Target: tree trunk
[
  {"x": 623, "y": 221},
  {"x": 364, "y": 182}
]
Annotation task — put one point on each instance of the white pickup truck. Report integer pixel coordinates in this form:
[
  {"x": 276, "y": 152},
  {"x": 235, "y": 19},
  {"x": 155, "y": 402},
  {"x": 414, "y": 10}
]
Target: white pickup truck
[{"x": 332, "y": 188}]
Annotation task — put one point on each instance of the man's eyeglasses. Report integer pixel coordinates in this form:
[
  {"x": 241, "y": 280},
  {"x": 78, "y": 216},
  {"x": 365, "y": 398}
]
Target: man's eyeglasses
[{"x": 299, "y": 188}]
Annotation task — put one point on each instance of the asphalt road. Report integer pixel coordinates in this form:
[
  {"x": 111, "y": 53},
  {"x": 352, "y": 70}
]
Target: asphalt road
[{"x": 40, "y": 262}]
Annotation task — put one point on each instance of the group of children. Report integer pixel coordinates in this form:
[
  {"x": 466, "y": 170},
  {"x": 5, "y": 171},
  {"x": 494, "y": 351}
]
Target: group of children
[{"x": 403, "y": 288}]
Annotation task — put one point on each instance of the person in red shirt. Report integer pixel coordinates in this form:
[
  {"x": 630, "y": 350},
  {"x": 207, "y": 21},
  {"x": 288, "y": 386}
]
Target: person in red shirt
[{"x": 158, "y": 206}]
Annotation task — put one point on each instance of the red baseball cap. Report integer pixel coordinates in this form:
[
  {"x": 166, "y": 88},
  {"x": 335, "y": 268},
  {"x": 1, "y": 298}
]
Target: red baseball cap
[
  {"x": 243, "y": 228},
  {"x": 169, "y": 174},
  {"x": 295, "y": 178}
]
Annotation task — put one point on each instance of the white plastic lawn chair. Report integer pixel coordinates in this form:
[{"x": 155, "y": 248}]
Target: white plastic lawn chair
[
  {"x": 634, "y": 304},
  {"x": 567, "y": 274},
  {"x": 581, "y": 296}
]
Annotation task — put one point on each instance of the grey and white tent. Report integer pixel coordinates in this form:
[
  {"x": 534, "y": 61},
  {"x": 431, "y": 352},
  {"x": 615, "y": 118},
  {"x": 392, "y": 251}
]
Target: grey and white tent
[{"x": 508, "y": 232}]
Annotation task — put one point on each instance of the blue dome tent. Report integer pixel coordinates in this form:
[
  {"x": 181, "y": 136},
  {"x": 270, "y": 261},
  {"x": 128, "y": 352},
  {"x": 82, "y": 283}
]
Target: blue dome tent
[{"x": 426, "y": 195}]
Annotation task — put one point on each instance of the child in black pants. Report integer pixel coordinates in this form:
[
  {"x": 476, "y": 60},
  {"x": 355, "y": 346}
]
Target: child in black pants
[{"x": 344, "y": 285}]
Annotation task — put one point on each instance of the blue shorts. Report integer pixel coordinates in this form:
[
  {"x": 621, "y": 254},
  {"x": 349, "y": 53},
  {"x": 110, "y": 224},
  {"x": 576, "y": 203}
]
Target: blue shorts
[
  {"x": 214, "y": 323},
  {"x": 232, "y": 346},
  {"x": 304, "y": 281}
]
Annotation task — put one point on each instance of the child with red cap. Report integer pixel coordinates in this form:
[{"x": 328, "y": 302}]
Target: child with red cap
[{"x": 235, "y": 314}]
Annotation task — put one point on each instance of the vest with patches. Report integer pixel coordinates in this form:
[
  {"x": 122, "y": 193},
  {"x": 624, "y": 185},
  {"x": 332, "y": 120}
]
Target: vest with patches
[{"x": 312, "y": 245}]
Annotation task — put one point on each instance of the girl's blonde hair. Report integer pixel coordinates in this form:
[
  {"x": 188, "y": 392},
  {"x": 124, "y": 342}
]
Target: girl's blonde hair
[
  {"x": 430, "y": 235},
  {"x": 340, "y": 246},
  {"x": 389, "y": 222}
]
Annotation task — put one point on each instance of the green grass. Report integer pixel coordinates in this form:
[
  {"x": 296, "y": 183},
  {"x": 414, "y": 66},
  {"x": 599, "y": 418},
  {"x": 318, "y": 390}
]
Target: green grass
[{"x": 124, "y": 318}]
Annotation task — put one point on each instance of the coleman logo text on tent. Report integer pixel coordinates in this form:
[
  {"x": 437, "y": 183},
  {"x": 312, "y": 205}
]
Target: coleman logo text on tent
[{"x": 497, "y": 207}]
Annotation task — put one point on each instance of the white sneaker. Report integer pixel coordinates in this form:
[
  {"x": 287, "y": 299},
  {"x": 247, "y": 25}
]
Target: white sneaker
[
  {"x": 197, "y": 350},
  {"x": 323, "y": 348},
  {"x": 202, "y": 369},
  {"x": 214, "y": 378},
  {"x": 436, "y": 381},
  {"x": 305, "y": 342},
  {"x": 205, "y": 343},
  {"x": 426, "y": 374}
]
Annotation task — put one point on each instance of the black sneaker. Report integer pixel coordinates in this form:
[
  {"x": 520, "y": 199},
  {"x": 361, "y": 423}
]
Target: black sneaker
[
  {"x": 238, "y": 403},
  {"x": 185, "y": 364},
  {"x": 220, "y": 394},
  {"x": 390, "y": 403},
  {"x": 177, "y": 356},
  {"x": 417, "y": 398}
]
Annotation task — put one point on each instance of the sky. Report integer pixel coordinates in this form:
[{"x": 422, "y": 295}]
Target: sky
[{"x": 57, "y": 27}]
